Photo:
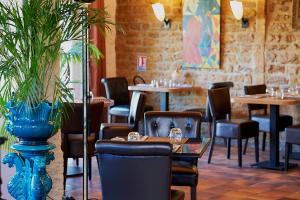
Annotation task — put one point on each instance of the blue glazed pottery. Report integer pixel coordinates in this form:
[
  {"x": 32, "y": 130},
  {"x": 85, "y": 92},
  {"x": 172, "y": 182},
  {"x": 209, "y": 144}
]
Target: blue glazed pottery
[
  {"x": 31, "y": 180},
  {"x": 32, "y": 125}
]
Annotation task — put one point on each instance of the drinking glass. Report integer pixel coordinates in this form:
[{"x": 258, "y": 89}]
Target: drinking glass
[
  {"x": 175, "y": 136},
  {"x": 282, "y": 93},
  {"x": 270, "y": 91},
  {"x": 133, "y": 136}
]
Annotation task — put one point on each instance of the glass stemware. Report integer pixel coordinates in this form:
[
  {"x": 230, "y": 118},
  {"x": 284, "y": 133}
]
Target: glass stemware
[
  {"x": 133, "y": 136},
  {"x": 175, "y": 136}
]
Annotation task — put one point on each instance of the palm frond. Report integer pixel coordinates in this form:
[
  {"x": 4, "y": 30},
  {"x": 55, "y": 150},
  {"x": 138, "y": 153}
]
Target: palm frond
[{"x": 31, "y": 36}]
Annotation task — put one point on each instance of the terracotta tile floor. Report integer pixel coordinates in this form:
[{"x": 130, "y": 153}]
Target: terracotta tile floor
[{"x": 222, "y": 179}]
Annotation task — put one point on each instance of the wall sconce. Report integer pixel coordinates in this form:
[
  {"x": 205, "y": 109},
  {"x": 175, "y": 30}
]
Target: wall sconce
[
  {"x": 159, "y": 12},
  {"x": 237, "y": 9}
]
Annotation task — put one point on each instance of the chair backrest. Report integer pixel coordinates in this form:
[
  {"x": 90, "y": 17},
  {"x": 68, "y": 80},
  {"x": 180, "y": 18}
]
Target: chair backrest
[
  {"x": 219, "y": 101},
  {"x": 73, "y": 124},
  {"x": 72, "y": 128},
  {"x": 136, "y": 107},
  {"x": 256, "y": 89},
  {"x": 226, "y": 84},
  {"x": 116, "y": 88},
  {"x": 138, "y": 79},
  {"x": 159, "y": 123},
  {"x": 134, "y": 170}
]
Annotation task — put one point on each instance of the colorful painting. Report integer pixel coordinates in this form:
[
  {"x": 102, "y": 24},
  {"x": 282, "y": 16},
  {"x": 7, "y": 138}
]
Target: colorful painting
[{"x": 201, "y": 33}]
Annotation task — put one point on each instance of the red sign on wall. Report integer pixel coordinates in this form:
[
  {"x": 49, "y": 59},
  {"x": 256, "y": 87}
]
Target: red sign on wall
[{"x": 141, "y": 63}]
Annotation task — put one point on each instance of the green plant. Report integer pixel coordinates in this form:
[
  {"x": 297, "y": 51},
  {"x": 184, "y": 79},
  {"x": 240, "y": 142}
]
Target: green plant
[
  {"x": 31, "y": 36},
  {"x": 74, "y": 54}
]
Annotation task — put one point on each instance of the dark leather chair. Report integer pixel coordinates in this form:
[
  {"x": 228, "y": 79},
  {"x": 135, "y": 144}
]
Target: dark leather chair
[
  {"x": 206, "y": 113},
  {"x": 136, "y": 171},
  {"x": 139, "y": 80},
  {"x": 224, "y": 126},
  {"x": 110, "y": 130},
  {"x": 292, "y": 137},
  {"x": 72, "y": 133},
  {"x": 116, "y": 88},
  {"x": 263, "y": 119},
  {"x": 159, "y": 123}
]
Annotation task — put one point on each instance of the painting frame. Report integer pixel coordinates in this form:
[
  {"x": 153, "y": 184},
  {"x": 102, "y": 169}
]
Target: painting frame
[
  {"x": 201, "y": 25},
  {"x": 296, "y": 14}
]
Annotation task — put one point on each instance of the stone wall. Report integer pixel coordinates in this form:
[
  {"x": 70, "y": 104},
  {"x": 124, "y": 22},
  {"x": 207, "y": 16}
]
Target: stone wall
[
  {"x": 266, "y": 52},
  {"x": 282, "y": 49}
]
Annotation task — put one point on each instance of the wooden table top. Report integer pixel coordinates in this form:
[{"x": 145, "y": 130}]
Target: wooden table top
[
  {"x": 148, "y": 88},
  {"x": 268, "y": 100},
  {"x": 107, "y": 102},
  {"x": 186, "y": 149}
]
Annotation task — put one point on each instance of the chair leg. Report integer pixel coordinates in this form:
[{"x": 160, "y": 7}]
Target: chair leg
[
  {"x": 240, "y": 148},
  {"x": 287, "y": 155},
  {"x": 225, "y": 141},
  {"x": 65, "y": 172},
  {"x": 209, "y": 129},
  {"x": 77, "y": 161},
  {"x": 228, "y": 148},
  {"x": 211, "y": 149},
  {"x": 245, "y": 147},
  {"x": 264, "y": 141},
  {"x": 256, "y": 141},
  {"x": 89, "y": 167},
  {"x": 194, "y": 193}
]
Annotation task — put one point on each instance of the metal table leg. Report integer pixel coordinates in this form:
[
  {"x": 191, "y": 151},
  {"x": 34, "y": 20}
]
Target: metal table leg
[
  {"x": 164, "y": 101},
  {"x": 273, "y": 163}
]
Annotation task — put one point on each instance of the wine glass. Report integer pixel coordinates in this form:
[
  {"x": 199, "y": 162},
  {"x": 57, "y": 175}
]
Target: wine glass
[
  {"x": 175, "y": 136},
  {"x": 270, "y": 91},
  {"x": 133, "y": 136}
]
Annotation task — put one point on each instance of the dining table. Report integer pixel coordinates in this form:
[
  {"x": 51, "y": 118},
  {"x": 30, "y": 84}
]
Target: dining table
[
  {"x": 164, "y": 92},
  {"x": 186, "y": 148},
  {"x": 274, "y": 103}
]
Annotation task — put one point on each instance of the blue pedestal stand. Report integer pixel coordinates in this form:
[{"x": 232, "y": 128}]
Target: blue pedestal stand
[{"x": 31, "y": 181}]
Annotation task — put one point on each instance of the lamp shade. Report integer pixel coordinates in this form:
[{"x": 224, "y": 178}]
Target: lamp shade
[
  {"x": 159, "y": 11},
  {"x": 237, "y": 9}
]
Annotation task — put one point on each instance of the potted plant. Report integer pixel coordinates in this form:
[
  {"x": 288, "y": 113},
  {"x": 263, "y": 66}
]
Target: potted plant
[{"x": 32, "y": 94}]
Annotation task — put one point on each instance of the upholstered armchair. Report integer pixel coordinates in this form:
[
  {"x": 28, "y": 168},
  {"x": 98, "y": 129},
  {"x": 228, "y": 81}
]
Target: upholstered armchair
[
  {"x": 135, "y": 171},
  {"x": 159, "y": 123}
]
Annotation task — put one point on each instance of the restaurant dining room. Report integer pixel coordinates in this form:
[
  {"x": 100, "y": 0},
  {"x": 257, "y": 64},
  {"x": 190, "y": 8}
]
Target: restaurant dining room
[{"x": 150, "y": 99}]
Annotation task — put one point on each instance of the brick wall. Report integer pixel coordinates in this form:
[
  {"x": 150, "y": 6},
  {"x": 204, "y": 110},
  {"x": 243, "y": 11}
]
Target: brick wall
[{"x": 267, "y": 51}]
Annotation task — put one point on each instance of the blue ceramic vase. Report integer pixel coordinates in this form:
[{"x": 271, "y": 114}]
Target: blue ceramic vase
[{"x": 32, "y": 125}]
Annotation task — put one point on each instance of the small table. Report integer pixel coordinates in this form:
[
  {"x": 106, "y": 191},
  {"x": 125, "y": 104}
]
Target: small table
[
  {"x": 188, "y": 148},
  {"x": 164, "y": 92},
  {"x": 106, "y": 102},
  {"x": 274, "y": 103}
]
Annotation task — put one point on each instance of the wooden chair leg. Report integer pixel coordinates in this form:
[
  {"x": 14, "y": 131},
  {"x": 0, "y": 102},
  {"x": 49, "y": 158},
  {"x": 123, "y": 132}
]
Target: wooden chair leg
[
  {"x": 245, "y": 147},
  {"x": 65, "y": 172},
  {"x": 228, "y": 148},
  {"x": 287, "y": 155},
  {"x": 256, "y": 141},
  {"x": 211, "y": 149},
  {"x": 77, "y": 161},
  {"x": 240, "y": 149},
  {"x": 264, "y": 141},
  {"x": 90, "y": 167},
  {"x": 194, "y": 193}
]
